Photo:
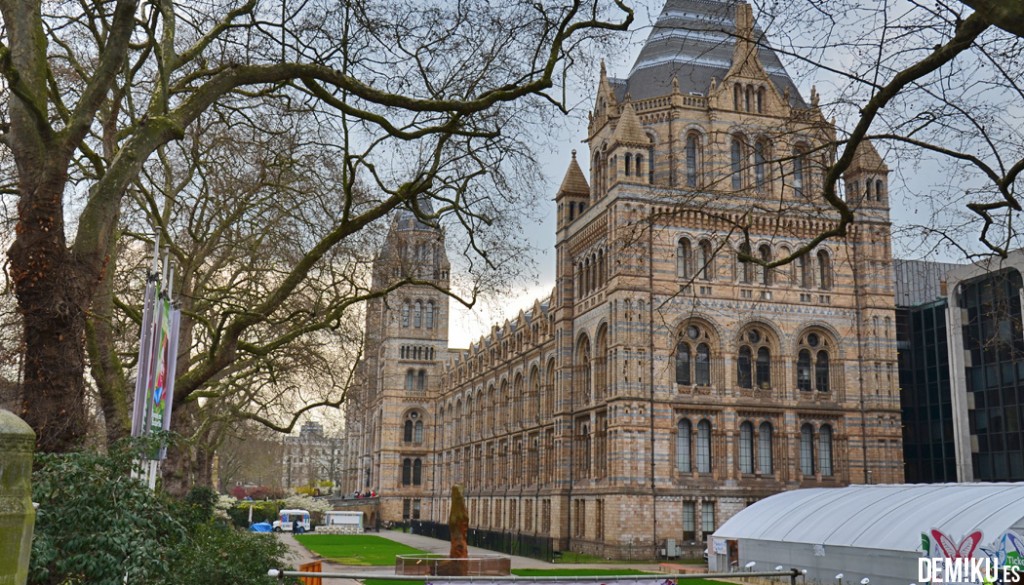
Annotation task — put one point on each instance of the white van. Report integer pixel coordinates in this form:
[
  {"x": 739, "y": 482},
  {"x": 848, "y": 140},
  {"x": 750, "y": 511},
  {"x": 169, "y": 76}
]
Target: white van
[{"x": 286, "y": 520}]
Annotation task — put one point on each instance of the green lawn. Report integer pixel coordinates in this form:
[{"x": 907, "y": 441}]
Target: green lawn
[
  {"x": 561, "y": 573},
  {"x": 576, "y": 572},
  {"x": 355, "y": 549}
]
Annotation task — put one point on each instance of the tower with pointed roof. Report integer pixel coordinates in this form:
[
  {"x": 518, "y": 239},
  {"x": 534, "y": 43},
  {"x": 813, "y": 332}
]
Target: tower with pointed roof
[
  {"x": 406, "y": 344},
  {"x": 667, "y": 381}
]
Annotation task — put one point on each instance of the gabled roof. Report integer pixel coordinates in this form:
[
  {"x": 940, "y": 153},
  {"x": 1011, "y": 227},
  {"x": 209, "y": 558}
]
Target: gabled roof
[{"x": 693, "y": 41}]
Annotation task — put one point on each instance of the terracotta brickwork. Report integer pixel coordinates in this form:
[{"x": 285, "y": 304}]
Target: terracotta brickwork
[{"x": 666, "y": 383}]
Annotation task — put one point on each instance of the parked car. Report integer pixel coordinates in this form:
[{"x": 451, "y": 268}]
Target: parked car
[{"x": 292, "y": 521}]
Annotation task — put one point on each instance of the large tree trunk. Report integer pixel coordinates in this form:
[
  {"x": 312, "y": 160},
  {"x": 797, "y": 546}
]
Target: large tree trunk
[
  {"x": 190, "y": 463},
  {"x": 52, "y": 292},
  {"x": 105, "y": 365}
]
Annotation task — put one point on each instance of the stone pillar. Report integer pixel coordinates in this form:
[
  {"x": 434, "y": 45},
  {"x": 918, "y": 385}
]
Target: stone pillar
[{"x": 17, "y": 516}]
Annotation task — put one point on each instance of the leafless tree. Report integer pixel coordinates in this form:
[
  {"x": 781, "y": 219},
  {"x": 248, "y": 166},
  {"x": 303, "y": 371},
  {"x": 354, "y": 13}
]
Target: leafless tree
[{"x": 425, "y": 100}]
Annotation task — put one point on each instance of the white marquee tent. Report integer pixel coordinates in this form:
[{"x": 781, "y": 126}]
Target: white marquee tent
[{"x": 871, "y": 531}]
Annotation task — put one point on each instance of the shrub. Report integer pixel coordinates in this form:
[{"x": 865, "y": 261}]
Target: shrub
[{"x": 97, "y": 525}]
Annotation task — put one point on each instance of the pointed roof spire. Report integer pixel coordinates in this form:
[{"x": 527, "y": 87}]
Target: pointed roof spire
[
  {"x": 866, "y": 158},
  {"x": 574, "y": 182},
  {"x": 629, "y": 130}
]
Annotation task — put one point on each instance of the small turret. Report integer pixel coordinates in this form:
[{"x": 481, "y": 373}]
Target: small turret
[
  {"x": 867, "y": 178},
  {"x": 627, "y": 159},
  {"x": 574, "y": 194}
]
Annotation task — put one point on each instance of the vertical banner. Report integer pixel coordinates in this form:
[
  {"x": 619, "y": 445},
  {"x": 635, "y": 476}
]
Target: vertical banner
[{"x": 158, "y": 352}]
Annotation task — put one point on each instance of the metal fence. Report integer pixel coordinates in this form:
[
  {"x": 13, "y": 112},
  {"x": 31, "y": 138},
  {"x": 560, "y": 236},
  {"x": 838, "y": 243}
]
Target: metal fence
[
  {"x": 523, "y": 545},
  {"x": 791, "y": 575}
]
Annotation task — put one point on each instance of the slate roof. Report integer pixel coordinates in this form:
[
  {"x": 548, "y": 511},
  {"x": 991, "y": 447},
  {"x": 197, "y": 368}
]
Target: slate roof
[{"x": 693, "y": 40}]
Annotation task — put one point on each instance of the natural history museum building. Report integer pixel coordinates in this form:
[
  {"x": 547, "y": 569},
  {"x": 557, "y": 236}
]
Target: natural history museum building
[{"x": 664, "y": 384}]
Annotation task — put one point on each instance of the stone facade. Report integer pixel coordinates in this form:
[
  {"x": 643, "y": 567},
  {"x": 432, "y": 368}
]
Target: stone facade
[
  {"x": 310, "y": 458},
  {"x": 666, "y": 383}
]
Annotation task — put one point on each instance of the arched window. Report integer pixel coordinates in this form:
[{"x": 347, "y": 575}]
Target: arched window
[
  {"x": 586, "y": 277},
  {"x": 405, "y": 314},
  {"x": 583, "y": 372},
  {"x": 765, "y": 252},
  {"x": 879, "y": 189},
  {"x": 746, "y": 267},
  {"x": 750, "y": 98},
  {"x": 743, "y": 377},
  {"x": 704, "y": 446},
  {"x": 736, "y": 161},
  {"x": 639, "y": 165},
  {"x": 693, "y": 357},
  {"x": 417, "y": 471},
  {"x": 430, "y": 314},
  {"x": 824, "y": 270},
  {"x": 706, "y": 270},
  {"x": 760, "y": 100},
  {"x": 650, "y": 160},
  {"x": 601, "y": 275},
  {"x": 760, "y": 165},
  {"x": 692, "y": 158},
  {"x": 746, "y": 447},
  {"x": 764, "y": 448},
  {"x": 807, "y": 450},
  {"x": 421, "y": 381},
  {"x": 417, "y": 315},
  {"x": 629, "y": 164},
  {"x": 737, "y": 97},
  {"x": 703, "y": 365},
  {"x": 412, "y": 429},
  {"x": 806, "y": 276},
  {"x": 800, "y": 170},
  {"x": 410, "y": 380},
  {"x": 825, "y": 450},
  {"x": 803, "y": 370},
  {"x": 784, "y": 274},
  {"x": 821, "y": 371},
  {"x": 754, "y": 343},
  {"x": 684, "y": 258},
  {"x": 683, "y": 363},
  {"x": 764, "y": 367},
  {"x": 867, "y": 189},
  {"x": 407, "y": 471},
  {"x": 683, "y": 432}
]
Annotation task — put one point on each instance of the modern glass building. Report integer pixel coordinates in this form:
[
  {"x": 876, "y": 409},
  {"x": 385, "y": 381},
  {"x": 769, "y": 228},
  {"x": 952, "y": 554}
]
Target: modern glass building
[
  {"x": 925, "y": 399},
  {"x": 960, "y": 340}
]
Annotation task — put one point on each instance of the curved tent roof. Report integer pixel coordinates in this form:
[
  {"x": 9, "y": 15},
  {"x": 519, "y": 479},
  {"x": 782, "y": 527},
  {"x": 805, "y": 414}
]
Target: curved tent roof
[{"x": 888, "y": 517}]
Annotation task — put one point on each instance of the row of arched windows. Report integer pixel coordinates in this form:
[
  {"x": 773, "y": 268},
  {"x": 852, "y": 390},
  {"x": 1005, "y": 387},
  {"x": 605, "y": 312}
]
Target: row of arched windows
[
  {"x": 750, "y": 163},
  {"x": 755, "y": 448},
  {"x": 748, "y": 98},
  {"x": 874, "y": 189},
  {"x": 695, "y": 351},
  {"x": 480, "y": 413},
  {"x": 416, "y": 352},
  {"x": 808, "y": 270},
  {"x": 418, "y": 314},
  {"x": 591, "y": 273}
]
